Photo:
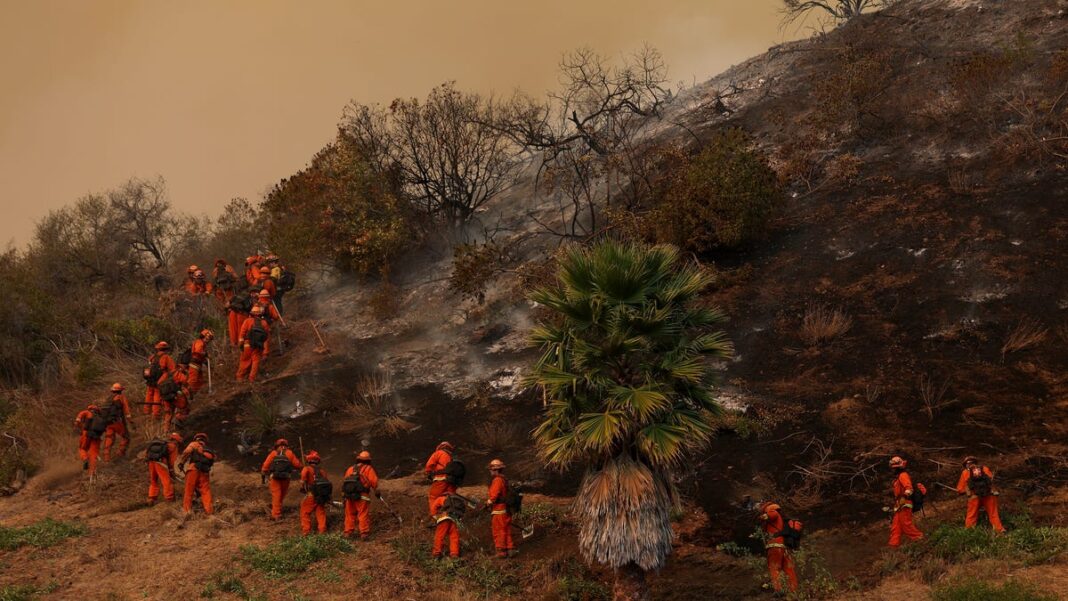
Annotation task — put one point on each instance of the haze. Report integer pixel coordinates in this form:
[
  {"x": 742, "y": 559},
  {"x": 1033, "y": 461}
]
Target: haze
[{"x": 223, "y": 99}]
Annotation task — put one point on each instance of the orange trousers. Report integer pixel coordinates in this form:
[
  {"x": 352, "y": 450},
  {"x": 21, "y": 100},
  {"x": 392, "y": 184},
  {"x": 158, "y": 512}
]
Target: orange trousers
[
  {"x": 89, "y": 450},
  {"x": 196, "y": 381},
  {"x": 902, "y": 525},
  {"x": 250, "y": 363},
  {"x": 195, "y": 480},
  {"x": 159, "y": 477},
  {"x": 446, "y": 529},
  {"x": 357, "y": 513},
  {"x": 116, "y": 429},
  {"x": 279, "y": 488},
  {"x": 307, "y": 507},
  {"x": 234, "y": 327},
  {"x": 175, "y": 413},
  {"x": 153, "y": 402},
  {"x": 990, "y": 505},
  {"x": 501, "y": 525},
  {"x": 437, "y": 489},
  {"x": 780, "y": 561}
]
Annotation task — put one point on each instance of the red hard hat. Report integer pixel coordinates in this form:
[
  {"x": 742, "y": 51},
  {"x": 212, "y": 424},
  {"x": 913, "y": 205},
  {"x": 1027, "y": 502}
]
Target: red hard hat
[
  {"x": 162, "y": 345},
  {"x": 250, "y": 260},
  {"x": 272, "y": 258},
  {"x": 220, "y": 261},
  {"x": 264, "y": 293},
  {"x": 176, "y": 437},
  {"x": 363, "y": 456},
  {"x": 116, "y": 387},
  {"x": 201, "y": 437},
  {"x": 93, "y": 407},
  {"x": 446, "y": 445},
  {"x": 896, "y": 461},
  {"x": 265, "y": 269},
  {"x": 257, "y": 310},
  {"x": 496, "y": 464},
  {"x": 192, "y": 268},
  {"x": 198, "y": 273},
  {"x": 970, "y": 459},
  {"x": 206, "y": 333},
  {"x": 312, "y": 457},
  {"x": 281, "y": 442}
]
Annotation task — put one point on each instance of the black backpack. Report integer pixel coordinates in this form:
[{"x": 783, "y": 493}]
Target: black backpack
[
  {"x": 321, "y": 489},
  {"x": 225, "y": 280},
  {"x": 97, "y": 425},
  {"x": 979, "y": 483},
  {"x": 168, "y": 390},
  {"x": 791, "y": 533},
  {"x": 241, "y": 303},
  {"x": 156, "y": 451},
  {"x": 204, "y": 460},
  {"x": 919, "y": 496},
  {"x": 154, "y": 371},
  {"x": 454, "y": 507},
  {"x": 287, "y": 281},
  {"x": 352, "y": 487},
  {"x": 454, "y": 472},
  {"x": 186, "y": 356},
  {"x": 257, "y": 335},
  {"x": 113, "y": 413},
  {"x": 513, "y": 500},
  {"x": 281, "y": 468}
]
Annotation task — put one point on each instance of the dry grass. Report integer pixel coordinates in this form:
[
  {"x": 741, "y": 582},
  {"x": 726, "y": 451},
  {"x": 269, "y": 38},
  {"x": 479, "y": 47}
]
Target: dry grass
[
  {"x": 822, "y": 324},
  {"x": 374, "y": 406},
  {"x": 933, "y": 396},
  {"x": 1028, "y": 333},
  {"x": 497, "y": 436}
]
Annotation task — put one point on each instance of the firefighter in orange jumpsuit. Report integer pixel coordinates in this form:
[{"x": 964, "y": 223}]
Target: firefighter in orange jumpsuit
[
  {"x": 435, "y": 473},
  {"x": 197, "y": 283},
  {"x": 252, "y": 269},
  {"x": 225, "y": 279},
  {"x": 239, "y": 308},
  {"x": 357, "y": 511},
  {"x": 199, "y": 357},
  {"x": 309, "y": 476},
  {"x": 251, "y": 351},
  {"x": 160, "y": 365},
  {"x": 279, "y": 473},
  {"x": 501, "y": 522},
  {"x": 901, "y": 523},
  {"x": 779, "y": 558},
  {"x": 91, "y": 433},
  {"x": 118, "y": 412},
  {"x": 174, "y": 396},
  {"x": 977, "y": 481},
  {"x": 161, "y": 466},
  {"x": 196, "y": 462},
  {"x": 447, "y": 528},
  {"x": 264, "y": 281}
]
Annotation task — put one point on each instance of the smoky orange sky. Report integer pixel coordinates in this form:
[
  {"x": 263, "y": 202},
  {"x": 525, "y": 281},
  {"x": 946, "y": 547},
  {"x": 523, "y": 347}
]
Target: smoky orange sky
[{"x": 224, "y": 98}]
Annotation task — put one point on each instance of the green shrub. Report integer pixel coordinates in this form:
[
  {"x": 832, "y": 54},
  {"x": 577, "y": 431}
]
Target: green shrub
[
  {"x": 977, "y": 590},
  {"x": 136, "y": 335},
  {"x": 224, "y": 582},
  {"x": 1024, "y": 542},
  {"x": 473, "y": 266},
  {"x": 46, "y": 533},
  {"x": 479, "y": 574},
  {"x": 18, "y": 592},
  {"x": 576, "y": 587},
  {"x": 294, "y": 554}
]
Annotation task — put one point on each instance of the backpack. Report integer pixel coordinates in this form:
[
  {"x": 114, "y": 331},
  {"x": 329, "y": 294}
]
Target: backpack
[
  {"x": 154, "y": 371},
  {"x": 225, "y": 280},
  {"x": 513, "y": 500},
  {"x": 204, "y": 460},
  {"x": 96, "y": 426},
  {"x": 287, "y": 281},
  {"x": 454, "y": 472},
  {"x": 113, "y": 412},
  {"x": 353, "y": 487},
  {"x": 168, "y": 390},
  {"x": 281, "y": 468},
  {"x": 186, "y": 356},
  {"x": 257, "y": 335},
  {"x": 919, "y": 495},
  {"x": 454, "y": 507},
  {"x": 157, "y": 450},
  {"x": 979, "y": 483},
  {"x": 321, "y": 488},
  {"x": 241, "y": 303},
  {"x": 791, "y": 533}
]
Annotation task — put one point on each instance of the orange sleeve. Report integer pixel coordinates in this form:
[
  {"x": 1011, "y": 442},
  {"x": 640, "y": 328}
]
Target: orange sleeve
[
  {"x": 962, "y": 484},
  {"x": 349, "y": 471},
  {"x": 267, "y": 462},
  {"x": 371, "y": 476},
  {"x": 435, "y": 462},
  {"x": 496, "y": 490},
  {"x": 245, "y": 327},
  {"x": 307, "y": 475},
  {"x": 189, "y": 451},
  {"x": 172, "y": 454},
  {"x": 293, "y": 459},
  {"x": 989, "y": 473},
  {"x": 906, "y": 482},
  {"x": 125, "y": 405}
]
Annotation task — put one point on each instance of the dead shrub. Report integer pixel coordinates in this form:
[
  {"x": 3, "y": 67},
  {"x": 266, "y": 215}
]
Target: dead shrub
[
  {"x": 385, "y": 301},
  {"x": 933, "y": 395},
  {"x": 852, "y": 92},
  {"x": 495, "y": 436},
  {"x": 1026, "y": 334},
  {"x": 374, "y": 406},
  {"x": 822, "y": 324},
  {"x": 474, "y": 266}
]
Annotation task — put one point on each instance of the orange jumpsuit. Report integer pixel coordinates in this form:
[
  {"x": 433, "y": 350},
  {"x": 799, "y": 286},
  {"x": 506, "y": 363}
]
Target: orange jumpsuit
[
  {"x": 196, "y": 287},
  {"x": 308, "y": 505},
  {"x": 266, "y": 284},
  {"x": 270, "y": 313},
  {"x": 153, "y": 402},
  {"x": 989, "y": 503},
  {"x": 438, "y": 485},
  {"x": 88, "y": 446},
  {"x": 196, "y": 365},
  {"x": 234, "y": 320},
  {"x": 902, "y": 521},
  {"x": 159, "y": 474},
  {"x": 501, "y": 522},
  {"x": 249, "y": 364},
  {"x": 196, "y": 480},
  {"x": 118, "y": 428},
  {"x": 279, "y": 488},
  {"x": 178, "y": 408},
  {"x": 779, "y": 557},
  {"x": 252, "y": 271},
  {"x": 446, "y": 528},
  {"x": 224, "y": 294},
  {"x": 358, "y": 512}
]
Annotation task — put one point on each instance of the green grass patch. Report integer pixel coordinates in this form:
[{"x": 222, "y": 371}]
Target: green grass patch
[
  {"x": 1024, "y": 542},
  {"x": 46, "y": 533},
  {"x": 544, "y": 516},
  {"x": 977, "y": 590},
  {"x": 579, "y": 587},
  {"x": 293, "y": 555},
  {"x": 26, "y": 592},
  {"x": 481, "y": 575}
]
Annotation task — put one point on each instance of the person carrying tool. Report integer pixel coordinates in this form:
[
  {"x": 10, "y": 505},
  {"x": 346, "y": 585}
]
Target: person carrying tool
[
  {"x": 264, "y": 281},
  {"x": 278, "y": 469},
  {"x": 118, "y": 414},
  {"x": 161, "y": 455},
  {"x": 173, "y": 395},
  {"x": 160, "y": 365},
  {"x": 197, "y": 460},
  {"x": 901, "y": 523},
  {"x": 252, "y": 269},
  {"x": 92, "y": 423},
  {"x": 315, "y": 482},
  {"x": 198, "y": 359},
  {"x": 977, "y": 481},
  {"x": 284, "y": 279},
  {"x": 238, "y": 310},
  {"x": 225, "y": 279},
  {"x": 780, "y": 560},
  {"x": 361, "y": 480},
  {"x": 255, "y": 333},
  {"x": 497, "y": 503},
  {"x": 447, "y": 511},
  {"x": 435, "y": 473}
]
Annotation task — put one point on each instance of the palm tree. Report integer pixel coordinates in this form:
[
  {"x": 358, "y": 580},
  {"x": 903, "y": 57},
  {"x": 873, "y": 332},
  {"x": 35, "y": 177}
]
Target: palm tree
[{"x": 628, "y": 389}]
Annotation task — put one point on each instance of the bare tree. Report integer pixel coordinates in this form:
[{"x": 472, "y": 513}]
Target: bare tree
[
  {"x": 450, "y": 160},
  {"x": 838, "y": 10},
  {"x": 143, "y": 219}
]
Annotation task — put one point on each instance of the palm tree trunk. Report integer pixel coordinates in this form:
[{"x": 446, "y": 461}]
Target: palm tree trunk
[{"x": 630, "y": 584}]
